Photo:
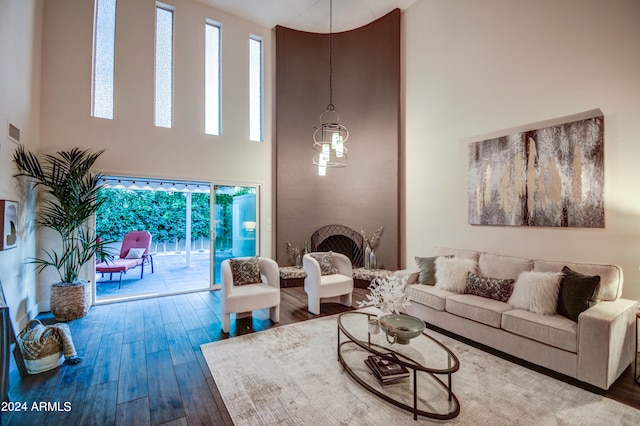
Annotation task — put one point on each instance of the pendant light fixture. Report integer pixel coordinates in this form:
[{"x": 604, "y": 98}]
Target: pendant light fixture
[{"x": 329, "y": 139}]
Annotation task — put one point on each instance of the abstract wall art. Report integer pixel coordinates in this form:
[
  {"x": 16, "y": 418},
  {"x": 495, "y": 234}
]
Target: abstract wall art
[
  {"x": 8, "y": 224},
  {"x": 553, "y": 176}
]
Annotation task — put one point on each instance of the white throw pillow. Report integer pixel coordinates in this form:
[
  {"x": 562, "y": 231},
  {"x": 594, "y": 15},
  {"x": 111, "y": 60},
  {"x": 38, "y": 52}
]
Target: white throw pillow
[
  {"x": 135, "y": 253},
  {"x": 536, "y": 292},
  {"x": 451, "y": 273}
]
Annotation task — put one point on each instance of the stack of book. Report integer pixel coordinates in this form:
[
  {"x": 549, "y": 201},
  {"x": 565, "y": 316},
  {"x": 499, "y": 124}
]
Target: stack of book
[{"x": 386, "y": 371}]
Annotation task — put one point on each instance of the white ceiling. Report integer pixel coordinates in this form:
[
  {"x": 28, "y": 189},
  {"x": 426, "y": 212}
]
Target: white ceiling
[{"x": 309, "y": 15}]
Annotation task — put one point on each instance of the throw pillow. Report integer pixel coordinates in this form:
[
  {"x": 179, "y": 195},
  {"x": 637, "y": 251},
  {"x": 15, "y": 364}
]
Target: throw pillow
[
  {"x": 451, "y": 273},
  {"x": 135, "y": 253},
  {"x": 576, "y": 293},
  {"x": 491, "y": 288},
  {"x": 427, "y": 266},
  {"x": 245, "y": 270},
  {"x": 536, "y": 292},
  {"x": 327, "y": 267}
]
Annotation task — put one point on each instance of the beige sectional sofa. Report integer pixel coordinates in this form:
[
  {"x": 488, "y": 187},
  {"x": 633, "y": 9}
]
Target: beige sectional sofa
[{"x": 596, "y": 349}]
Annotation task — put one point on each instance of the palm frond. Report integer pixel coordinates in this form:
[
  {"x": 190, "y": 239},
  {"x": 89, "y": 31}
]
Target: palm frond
[{"x": 69, "y": 199}]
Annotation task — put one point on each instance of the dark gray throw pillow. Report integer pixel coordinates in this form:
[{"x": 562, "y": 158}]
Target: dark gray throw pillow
[
  {"x": 492, "y": 288},
  {"x": 576, "y": 293}
]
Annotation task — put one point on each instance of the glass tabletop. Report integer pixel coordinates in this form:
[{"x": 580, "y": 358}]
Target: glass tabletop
[{"x": 423, "y": 352}]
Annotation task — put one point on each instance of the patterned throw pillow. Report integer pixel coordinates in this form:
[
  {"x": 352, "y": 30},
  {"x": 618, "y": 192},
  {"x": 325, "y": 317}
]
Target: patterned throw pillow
[
  {"x": 245, "y": 270},
  {"x": 327, "y": 267},
  {"x": 491, "y": 288}
]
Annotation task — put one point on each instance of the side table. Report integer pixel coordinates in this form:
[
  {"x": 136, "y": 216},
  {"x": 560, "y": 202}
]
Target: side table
[
  {"x": 290, "y": 276},
  {"x": 362, "y": 277}
]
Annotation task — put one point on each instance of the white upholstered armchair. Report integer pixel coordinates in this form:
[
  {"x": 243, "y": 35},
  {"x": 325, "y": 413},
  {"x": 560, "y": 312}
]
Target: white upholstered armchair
[
  {"x": 255, "y": 287},
  {"x": 333, "y": 277}
]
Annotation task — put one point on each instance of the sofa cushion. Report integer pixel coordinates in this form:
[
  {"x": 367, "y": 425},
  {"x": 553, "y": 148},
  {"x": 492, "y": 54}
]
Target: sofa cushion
[
  {"x": 428, "y": 295},
  {"x": 451, "y": 273},
  {"x": 461, "y": 253},
  {"x": 498, "y": 266},
  {"x": 491, "y": 288},
  {"x": 476, "y": 308},
  {"x": 553, "y": 330},
  {"x": 576, "y": 293},
  {"x": 536, "y": 292},
  {"x": 611, "y": 277}
]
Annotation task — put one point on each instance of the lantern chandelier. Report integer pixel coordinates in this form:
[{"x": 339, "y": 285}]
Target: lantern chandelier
[{"x": 329, "y": 139}]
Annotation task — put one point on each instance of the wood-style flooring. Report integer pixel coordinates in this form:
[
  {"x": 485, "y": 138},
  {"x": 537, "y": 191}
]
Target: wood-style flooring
[{"x": 142, "y": 364}]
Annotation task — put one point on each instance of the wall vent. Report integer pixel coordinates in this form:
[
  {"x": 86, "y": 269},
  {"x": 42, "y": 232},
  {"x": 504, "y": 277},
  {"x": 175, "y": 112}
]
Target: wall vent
[{"x": 14, "y": 133}]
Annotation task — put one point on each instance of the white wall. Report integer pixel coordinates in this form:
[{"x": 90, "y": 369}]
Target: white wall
[
  {"x": 20, "y": 36},
  {"x": 134, "y": 145},
  {"x": 474, "y": 68}
]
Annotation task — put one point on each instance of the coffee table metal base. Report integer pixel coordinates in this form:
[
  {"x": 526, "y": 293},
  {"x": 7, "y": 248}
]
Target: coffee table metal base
[{"x": 351, "y": 356}]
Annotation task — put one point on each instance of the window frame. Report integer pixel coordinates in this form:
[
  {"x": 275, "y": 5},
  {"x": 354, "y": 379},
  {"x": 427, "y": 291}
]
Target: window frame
[
  {"x": 260, "y": 40},
  {"x": 95, "y": 112},
  {"x": 216, "y": 24},
  {"x": 171, "y": 9}
]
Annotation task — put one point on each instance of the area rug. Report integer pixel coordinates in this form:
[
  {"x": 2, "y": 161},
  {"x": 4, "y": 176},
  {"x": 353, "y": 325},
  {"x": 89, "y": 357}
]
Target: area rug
[{"x": 290, "y": 375}]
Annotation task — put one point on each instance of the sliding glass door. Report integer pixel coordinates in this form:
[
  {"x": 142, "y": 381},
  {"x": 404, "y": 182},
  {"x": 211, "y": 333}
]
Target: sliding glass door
[{"x": 235, "y": 223}]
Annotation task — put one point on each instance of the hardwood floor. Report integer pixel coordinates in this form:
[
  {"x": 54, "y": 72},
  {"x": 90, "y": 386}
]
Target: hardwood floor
[{"x": 142, "y": 364}]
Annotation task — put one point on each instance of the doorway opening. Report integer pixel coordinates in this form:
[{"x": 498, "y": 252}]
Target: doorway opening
[{"x": 192, "y": 233}]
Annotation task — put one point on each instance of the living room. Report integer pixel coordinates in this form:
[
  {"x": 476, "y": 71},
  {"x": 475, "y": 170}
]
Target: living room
[{"x": 469, "y": 70}]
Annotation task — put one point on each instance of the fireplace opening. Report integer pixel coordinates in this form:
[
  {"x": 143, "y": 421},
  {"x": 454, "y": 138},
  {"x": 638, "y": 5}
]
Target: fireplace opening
[{"x": 340, "y": 239}]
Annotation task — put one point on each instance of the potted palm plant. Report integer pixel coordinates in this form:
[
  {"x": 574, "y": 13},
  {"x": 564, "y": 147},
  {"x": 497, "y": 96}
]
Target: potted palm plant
[{"x": 68, "y": 200}]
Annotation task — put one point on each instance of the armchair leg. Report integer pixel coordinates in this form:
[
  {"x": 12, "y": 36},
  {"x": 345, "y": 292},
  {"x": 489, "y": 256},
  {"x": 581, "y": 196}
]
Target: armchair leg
[
  {"x": 346, "y": 299},
  {"x": 275, "y": 313},
  {"x": 226, "y": 319},
  {"x": 314, "y": 305}
]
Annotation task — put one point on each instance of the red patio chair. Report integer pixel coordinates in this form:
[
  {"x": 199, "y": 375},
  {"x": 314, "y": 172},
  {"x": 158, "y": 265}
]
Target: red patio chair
[{"x": 134, "y": 252}]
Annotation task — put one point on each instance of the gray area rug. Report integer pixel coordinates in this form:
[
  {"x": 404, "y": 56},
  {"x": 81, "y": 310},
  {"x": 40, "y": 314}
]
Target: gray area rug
[{"x": 290, "y": 375}]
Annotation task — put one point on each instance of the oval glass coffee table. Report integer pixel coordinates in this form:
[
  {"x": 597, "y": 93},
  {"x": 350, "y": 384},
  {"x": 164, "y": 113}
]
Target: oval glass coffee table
[{"x": 425, "y": 392}]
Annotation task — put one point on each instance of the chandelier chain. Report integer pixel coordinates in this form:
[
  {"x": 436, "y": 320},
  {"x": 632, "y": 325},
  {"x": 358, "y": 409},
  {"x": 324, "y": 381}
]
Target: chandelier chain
[{"x": 330, "y": 107}]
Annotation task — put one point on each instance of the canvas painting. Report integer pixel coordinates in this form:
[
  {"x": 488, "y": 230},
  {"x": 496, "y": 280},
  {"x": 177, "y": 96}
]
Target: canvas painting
[
  {"x": 8, "y": 224},
  {"x": 552, "y": 176}
]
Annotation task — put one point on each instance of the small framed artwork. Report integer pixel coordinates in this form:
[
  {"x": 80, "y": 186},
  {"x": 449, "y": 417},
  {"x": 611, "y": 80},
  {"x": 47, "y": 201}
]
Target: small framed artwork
[{"x": 8, "y": 224}]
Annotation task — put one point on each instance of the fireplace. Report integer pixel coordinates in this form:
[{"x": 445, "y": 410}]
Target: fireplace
[{"x": 339, "y": 239}]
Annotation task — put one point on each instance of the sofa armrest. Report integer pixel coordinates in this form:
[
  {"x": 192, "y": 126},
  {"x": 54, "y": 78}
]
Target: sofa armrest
[
  {"x": 411, "y": 274},
  {"x": 606, "y": 344}
]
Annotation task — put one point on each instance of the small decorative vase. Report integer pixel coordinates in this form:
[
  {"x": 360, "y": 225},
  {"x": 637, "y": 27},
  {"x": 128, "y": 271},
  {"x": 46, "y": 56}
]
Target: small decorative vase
[
  {"x": 373, "y": 261},
  {"x": 367, "y": 255},
  {"x": 298, "y": 261}
]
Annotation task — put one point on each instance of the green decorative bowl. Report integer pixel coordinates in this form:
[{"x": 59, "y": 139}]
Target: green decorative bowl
[{"x": 402, "y": 328}]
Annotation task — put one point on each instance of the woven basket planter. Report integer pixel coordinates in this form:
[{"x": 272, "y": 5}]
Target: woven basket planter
[{"x": 70, "y": 300}]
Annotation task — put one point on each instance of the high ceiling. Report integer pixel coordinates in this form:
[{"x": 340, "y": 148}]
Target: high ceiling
[{"x": 310, "y": 15}]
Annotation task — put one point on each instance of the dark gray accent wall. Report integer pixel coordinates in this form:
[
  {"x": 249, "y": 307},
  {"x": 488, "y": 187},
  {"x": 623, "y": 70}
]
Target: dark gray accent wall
[{"x": 366, "y": 94}]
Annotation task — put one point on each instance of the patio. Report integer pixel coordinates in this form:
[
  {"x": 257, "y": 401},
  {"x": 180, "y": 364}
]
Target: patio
[{"x": 170, "y": 275}]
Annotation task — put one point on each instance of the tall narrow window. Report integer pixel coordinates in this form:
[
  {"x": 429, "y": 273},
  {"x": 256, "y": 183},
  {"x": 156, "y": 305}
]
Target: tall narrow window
[
  {"x": 104, "y": 39},
  {"x": 255, "y": 88},
  {"x": 212, "y": 78},
  {"x": 164, "y": 66}
]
